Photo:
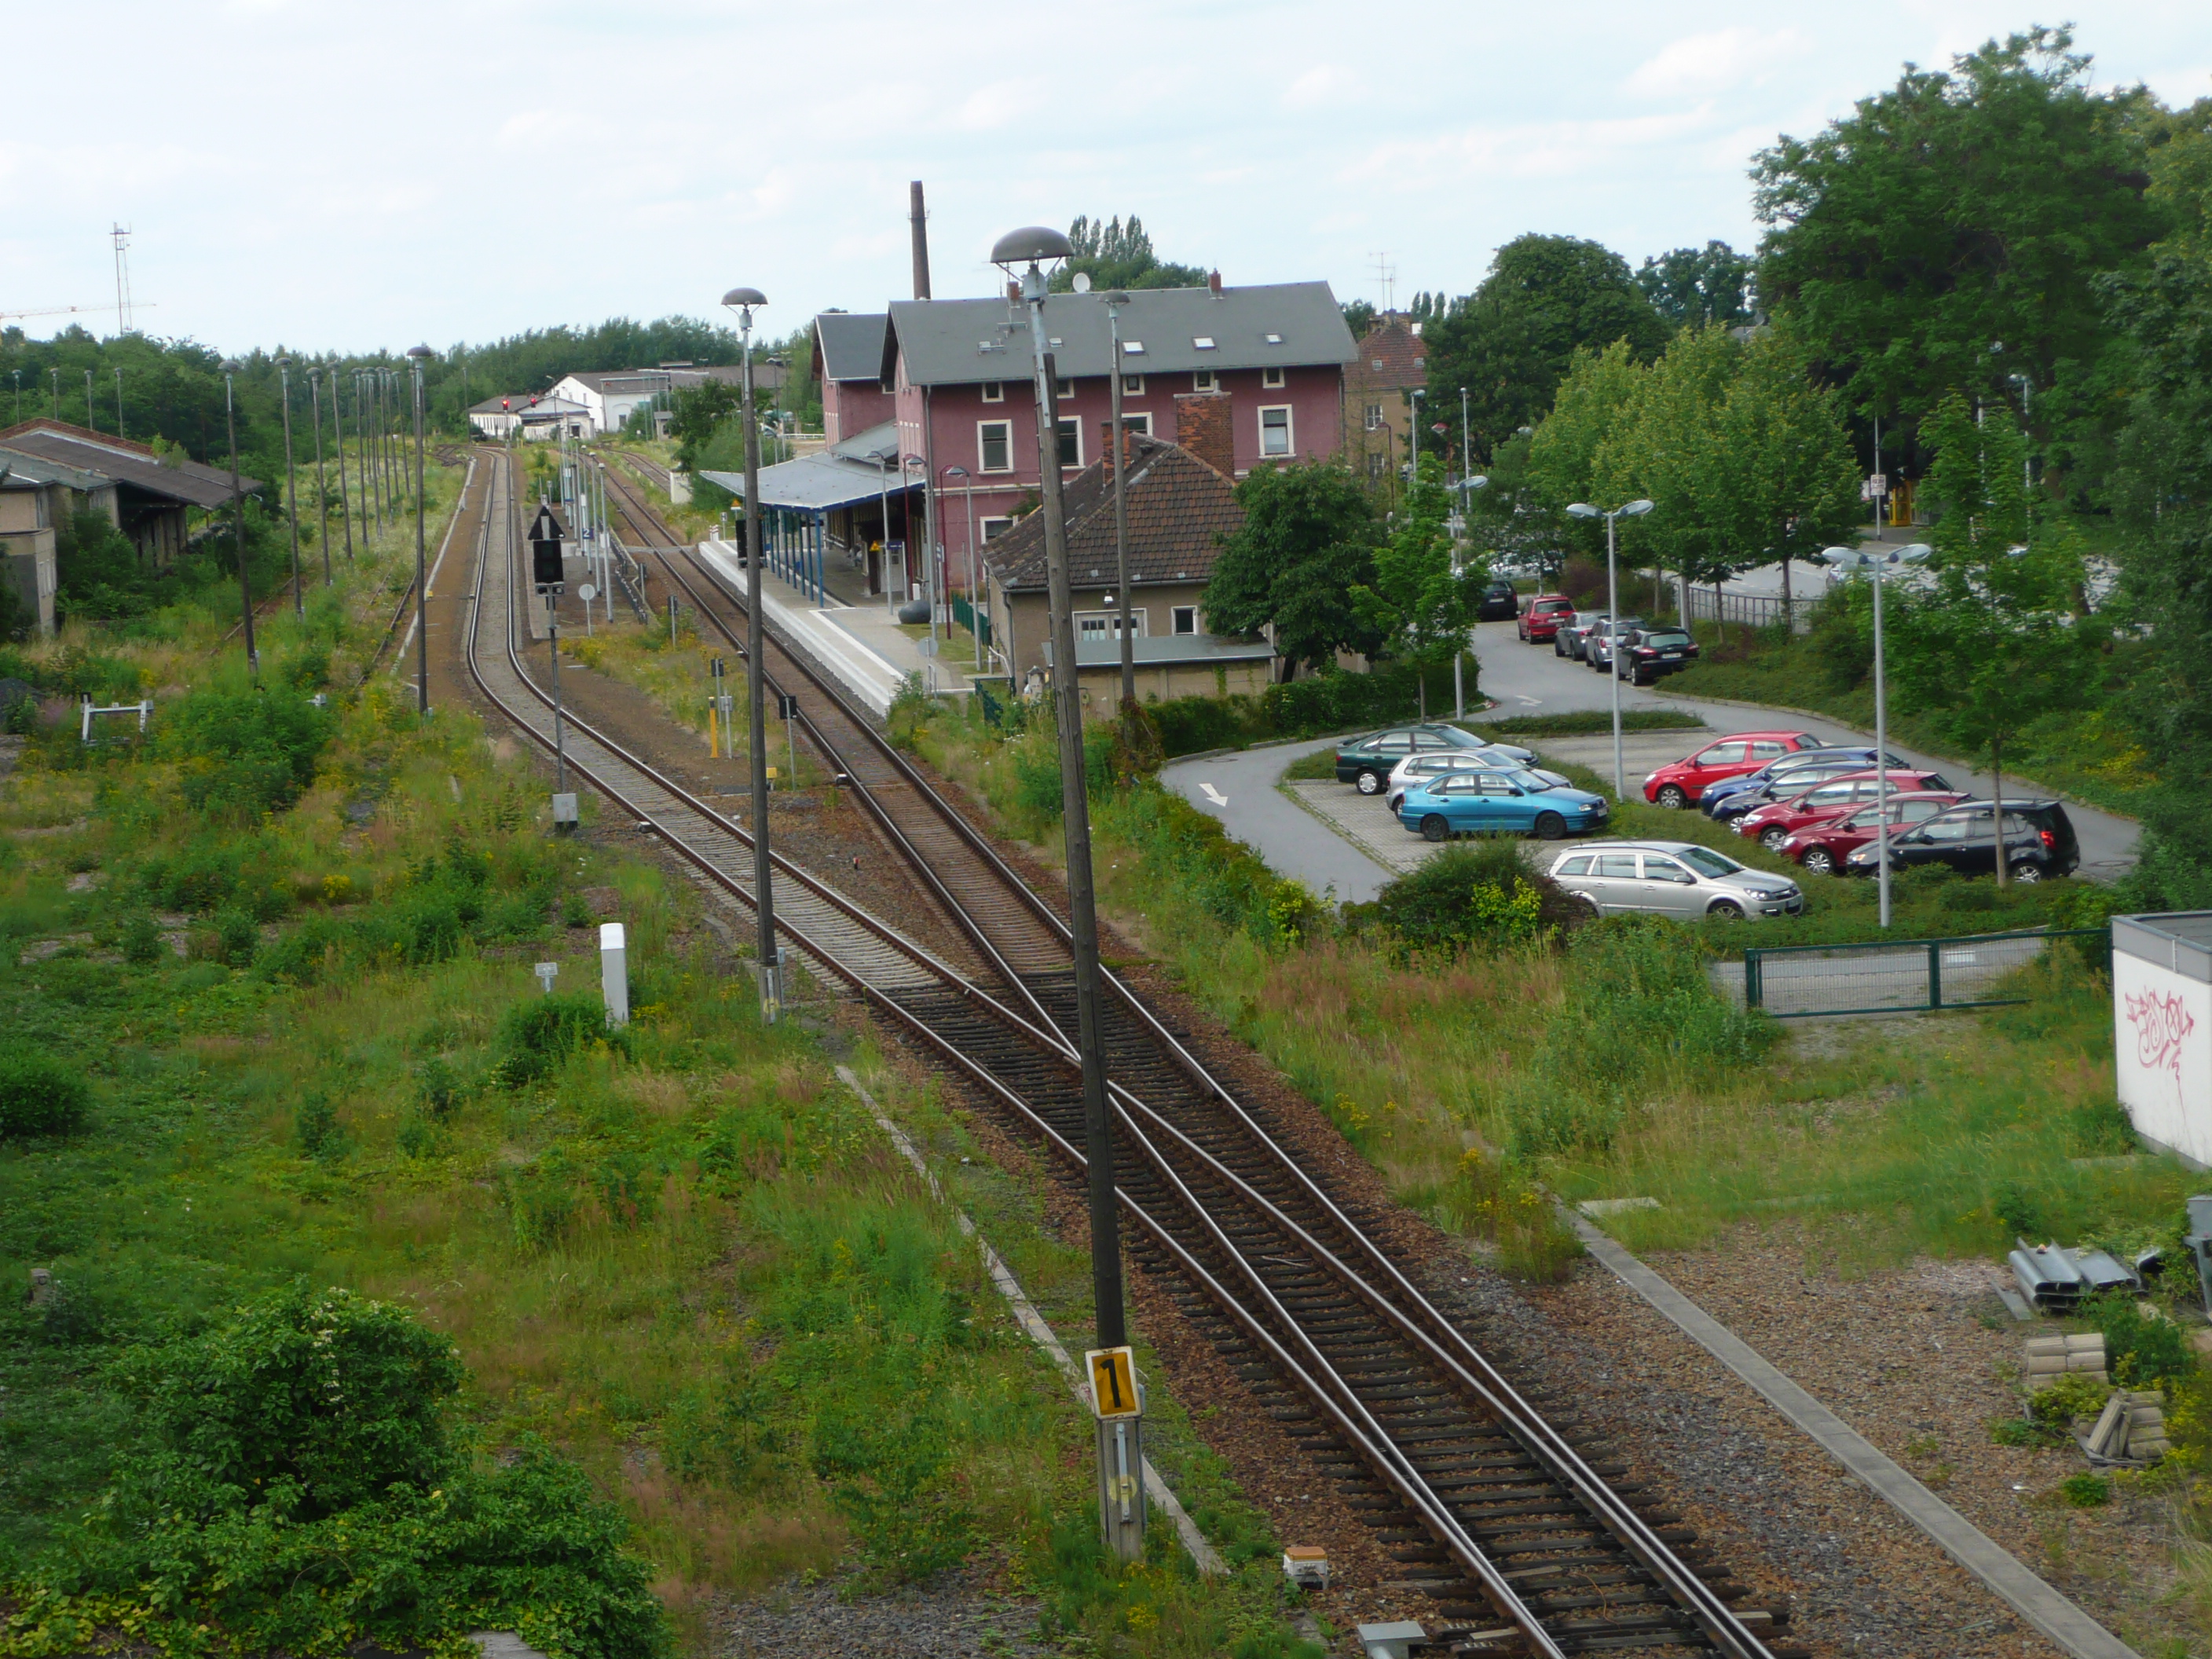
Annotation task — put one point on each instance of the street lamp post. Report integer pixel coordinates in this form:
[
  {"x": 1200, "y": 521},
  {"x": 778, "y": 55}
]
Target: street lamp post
[
  {"x": 1022, "y": 254},
  {"x": 1467, "y": 485},
  {"x": 1115, "y": 299},
  {"x": 291, "y": 487},
  {"x": 322, "y": 500},
  {"x": 1628, "y": 510},
  {"x": 420, "y": 354},
  {"x": 238, "y": 514},
  {"x": 743, "y": 301},
  {"x": 1876, "y": 567},
  {"x": 1466, "y": 458}
]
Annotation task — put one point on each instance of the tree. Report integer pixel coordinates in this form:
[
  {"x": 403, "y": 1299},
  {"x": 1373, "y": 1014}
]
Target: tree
[
  {"x": 697, "y": 411},
  {"x": 1118, "y": 253},
  {"x": 1307, "y": 541},
  {"x": 1417, "y": 604},
  {"x": 1666, "y": 445},
  {"x": 1951, "y": 231},
  {"x": 1989, "y": 648},
  {"x": 1511, "y": 341},
  {"x": 1790, "y": 484},
  {"x": 1694, "y": 286}
]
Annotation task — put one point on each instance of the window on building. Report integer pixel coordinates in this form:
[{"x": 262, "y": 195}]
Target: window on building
[
  {"x": 994, "y": 446},
  {"x": 1063, "y": 387},
  {"x": 1140, "y": 421},
  {"x": 1271, "y": 379},
  {"x": 1107, "y": 624},
  {"x": 1132, "y": 348},
  {"x": 1133, "y": 385},
  {"x": 1071, "y": 441},
  {"x": 1374, "y": 417},
  {"x": 1201, "y": 341},
  {"x": 989, "y": 528},
  {"x": 1092, "y": 627},
  {"x": 1275, "y": 430},
  {"x": 1375, "y": 463},
  {"x": 1203, "y": 380},
  {"x": 995, "y": 391},
  {"x": 1185, "y": 619}
]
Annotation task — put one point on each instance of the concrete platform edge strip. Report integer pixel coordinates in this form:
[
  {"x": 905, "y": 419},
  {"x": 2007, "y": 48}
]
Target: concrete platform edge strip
[
  {"x": 1203, "y": 1555},
  {"x": 1366, "y": 848},
  {"x": 2034, "y": 1601}
]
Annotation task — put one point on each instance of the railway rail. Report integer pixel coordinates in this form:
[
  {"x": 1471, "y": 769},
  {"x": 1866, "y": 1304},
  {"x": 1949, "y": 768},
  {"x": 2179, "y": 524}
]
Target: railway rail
[{"x": 1519, "y": 1530}]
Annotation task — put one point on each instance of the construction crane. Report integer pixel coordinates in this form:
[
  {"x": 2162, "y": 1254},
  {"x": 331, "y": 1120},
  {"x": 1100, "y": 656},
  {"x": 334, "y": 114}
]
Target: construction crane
[{"x": 68, "y": 311}]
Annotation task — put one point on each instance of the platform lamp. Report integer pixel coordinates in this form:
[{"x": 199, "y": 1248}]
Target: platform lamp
[
  {"x": 745, "y": 301},
  {"x": 230, "y": 367},
  {"x": 1115, "y": 299},
  {"x": 1627, "y": 510},
  {"x": 291, "y": 487},
  {"x": 422, "y": 355},
  {"x": 1876, "y": 567},
  {"x": 1025, "y": 256}
]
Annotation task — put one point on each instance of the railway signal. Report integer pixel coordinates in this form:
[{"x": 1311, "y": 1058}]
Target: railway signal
[
  {"x": 545, "y": 574},
  {"x": 1022, "y": 254}
]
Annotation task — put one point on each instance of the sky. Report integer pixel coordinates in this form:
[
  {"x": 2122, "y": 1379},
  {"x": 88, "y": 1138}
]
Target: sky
[{"x": 347, "y": 177}]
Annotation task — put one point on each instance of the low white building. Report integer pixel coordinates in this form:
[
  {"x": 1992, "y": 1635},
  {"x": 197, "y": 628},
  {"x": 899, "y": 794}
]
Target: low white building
[
  {"x": 611, "y": 395},
  {"x": 2162, "y": 1029},
  {"x": 533, "y": 418}
]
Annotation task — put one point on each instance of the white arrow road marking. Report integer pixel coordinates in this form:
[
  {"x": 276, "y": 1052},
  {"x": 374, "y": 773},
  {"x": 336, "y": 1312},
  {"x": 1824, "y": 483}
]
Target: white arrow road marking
[
  {"x": 1214, "y": 795},
  {"x": 1531, "y": 702}
]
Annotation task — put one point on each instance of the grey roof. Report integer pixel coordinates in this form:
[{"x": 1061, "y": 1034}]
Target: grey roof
[
  {"x": 121, "y": 462},
  {"x": 2181, "y": 940},
  {"x": 852, "y": 344},
  {"x": 1158, "y": 650},
  {"x": 24, "y": 471},
  {"x": 839, "y": 476},
  {"x": 959, "y": 342}
]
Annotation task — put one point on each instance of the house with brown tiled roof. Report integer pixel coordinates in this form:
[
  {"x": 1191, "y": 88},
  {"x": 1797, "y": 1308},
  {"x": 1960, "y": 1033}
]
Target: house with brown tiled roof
[
  {"x": 1392, "y": 363},
  {"x": 1180, "y": 505}
]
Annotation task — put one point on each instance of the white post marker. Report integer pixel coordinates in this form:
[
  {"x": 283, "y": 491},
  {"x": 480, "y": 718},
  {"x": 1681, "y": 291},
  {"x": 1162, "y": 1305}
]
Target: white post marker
[
  {"x": 547, "y": 973},
  {"x": 1117, "y": 1401},
  {"x": 614, "y": 974}
]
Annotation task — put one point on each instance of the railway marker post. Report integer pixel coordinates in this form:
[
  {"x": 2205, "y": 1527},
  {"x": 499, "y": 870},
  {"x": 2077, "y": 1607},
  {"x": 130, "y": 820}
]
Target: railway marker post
[
  {"x": 1022, "y": 254},
  {"x": 1117, "y": 1399}
]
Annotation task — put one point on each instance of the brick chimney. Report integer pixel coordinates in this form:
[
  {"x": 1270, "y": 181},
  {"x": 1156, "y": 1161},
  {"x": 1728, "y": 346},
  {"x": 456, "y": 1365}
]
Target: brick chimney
[
  {"x": 1202, "y": 428},
  {"x": 1213, "y": 283}
]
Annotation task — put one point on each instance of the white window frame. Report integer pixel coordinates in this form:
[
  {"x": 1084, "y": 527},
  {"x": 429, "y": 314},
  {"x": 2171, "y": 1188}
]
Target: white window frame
[
  {"x": 1177, "y": 614},
  {"x": 1373, "y": 417},
  {"x": 995, "y": 391},
  {"x": 1133, "y": 385},
  {"x": 981, "y": 427},
  {"x": 1067, "y": 423},
  {"x": 1205, "y": 380},
  {"x": 1272, "y": 379},
  {"x": 1289, "y": 432},
  {"x": 1107, "y": 624},
  {"x": 1063, "y": 387},
  {"x": 992, "y": 526},
  {"x": 1138, "y": 420}
]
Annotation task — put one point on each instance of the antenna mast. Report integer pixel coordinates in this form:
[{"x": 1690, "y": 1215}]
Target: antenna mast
[
  {"x": 1386, "y": 278},
  {"x": 123, "y": 278}
]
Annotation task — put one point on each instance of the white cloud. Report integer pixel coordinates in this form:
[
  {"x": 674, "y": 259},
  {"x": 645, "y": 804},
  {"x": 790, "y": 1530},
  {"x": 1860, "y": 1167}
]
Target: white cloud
[
  {"x": 1700, "y": 65},
  {"x": 1324, "y": 86}
]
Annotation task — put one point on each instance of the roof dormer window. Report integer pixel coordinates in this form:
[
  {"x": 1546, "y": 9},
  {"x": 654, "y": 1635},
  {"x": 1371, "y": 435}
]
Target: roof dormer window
[
  {"x": 1132, "y": 348},
  {"x": 1202, "y": 341},
  {"x": 1274, "y": 339}
]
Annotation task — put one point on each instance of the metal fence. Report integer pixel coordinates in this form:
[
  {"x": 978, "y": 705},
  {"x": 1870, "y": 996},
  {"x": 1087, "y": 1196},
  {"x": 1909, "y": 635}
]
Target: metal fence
[
  {"x": 1896, "y": 975},
  {"x": 1751, "y": 610},
  {"x": 971, "y": 618}
]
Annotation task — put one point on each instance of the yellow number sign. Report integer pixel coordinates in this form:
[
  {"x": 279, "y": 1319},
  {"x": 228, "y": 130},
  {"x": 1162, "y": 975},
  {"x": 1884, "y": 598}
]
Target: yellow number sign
[{"x": 1113, "y": 1381}]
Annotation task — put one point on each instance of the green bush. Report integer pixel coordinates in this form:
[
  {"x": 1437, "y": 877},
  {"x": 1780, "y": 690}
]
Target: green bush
[
  {"x": 2143, "y": 1352},
  {"x": 2085, "y": 1490},
  {"x": 1181, "y": 845},
  {"x": 1333, "y": 701},
  {"x": 39, "y": 1096},
  {"x": 1475, "y": 893},
  {"x": 293, "y": 1487},
  {"x": 245, "y": 753},
  {"x": 140, "y": 941},
  {"x": 537, "y": 1034}
]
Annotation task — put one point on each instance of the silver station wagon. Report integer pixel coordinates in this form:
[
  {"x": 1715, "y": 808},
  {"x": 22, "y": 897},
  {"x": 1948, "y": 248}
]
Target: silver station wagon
[{"x": 1671, "y": 878}]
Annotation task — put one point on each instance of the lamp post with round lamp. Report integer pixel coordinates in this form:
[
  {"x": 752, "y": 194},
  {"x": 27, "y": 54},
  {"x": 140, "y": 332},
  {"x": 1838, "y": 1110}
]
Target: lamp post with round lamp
[
  {"x": 1875, "y": 566},
  {"x": 1115, "y": 299},
  {"x": 1627, "y": 510},
  {"x": 745, "y": 301}
]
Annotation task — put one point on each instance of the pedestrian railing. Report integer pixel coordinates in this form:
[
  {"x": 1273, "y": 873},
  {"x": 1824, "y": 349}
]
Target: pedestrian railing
[
  {"x": 1901, "y": 975},
  {"x": 975, "y": 621},
  {"x": 1752, "y": 609}
]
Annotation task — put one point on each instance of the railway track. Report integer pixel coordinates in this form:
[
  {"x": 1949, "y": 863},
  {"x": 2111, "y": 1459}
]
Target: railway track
[{"x": 1519, "y": 1529}]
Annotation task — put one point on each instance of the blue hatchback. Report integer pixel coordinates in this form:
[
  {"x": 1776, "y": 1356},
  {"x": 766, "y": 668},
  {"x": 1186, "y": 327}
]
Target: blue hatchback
[{"x": 1514, "y": 803}]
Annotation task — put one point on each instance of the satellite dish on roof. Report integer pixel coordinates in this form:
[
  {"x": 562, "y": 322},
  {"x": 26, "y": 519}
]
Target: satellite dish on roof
[{"x": 1083, "y": 282}]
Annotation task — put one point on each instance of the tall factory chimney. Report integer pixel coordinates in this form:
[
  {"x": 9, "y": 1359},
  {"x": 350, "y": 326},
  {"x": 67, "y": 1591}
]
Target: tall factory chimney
[{"x": 921, "y": 242}]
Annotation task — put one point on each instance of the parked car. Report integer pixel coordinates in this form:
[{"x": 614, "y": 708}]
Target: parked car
[
  {"x": 1499, "y": 800},
  {"x": 1654, "y": 651},
  {"x": 1823, "y": 845},
  {"x": 1540, "y": 620},
  {"x": 1367, "y": 761},
  {"x": 1598, "y": 643},
  {"x": 1779, "y": 780},
  {"x": 1567, "y": 639},
  {"x": 2038, "y": 842},
  {"x": 1429, "y": 763},
  {"x": 1773, "y": 824},
  {"x": 1671, "y": 878},
  {"x": 1684, "y": 782},
  {"x": 1499, "y": 603}
]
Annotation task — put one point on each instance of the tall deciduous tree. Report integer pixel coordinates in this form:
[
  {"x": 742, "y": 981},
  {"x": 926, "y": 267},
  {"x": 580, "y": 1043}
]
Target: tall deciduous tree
[
  {"x": 1307, "y": 544},
  {"x": 1790, "y": 481},
  {"x": 1118, "y": 253},
  {"x": 1668, "y": 446},
  {"x": 1417, "y": 603},
  {"x": 1511, "y": 341},
  {"x": 1989, "y": 647},
  {"x": 1957, "y": 214},
  {"x": 1694, "y": 286}
]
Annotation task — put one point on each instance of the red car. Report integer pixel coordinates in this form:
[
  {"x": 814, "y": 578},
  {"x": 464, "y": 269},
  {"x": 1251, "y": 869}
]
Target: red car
[
  {"x": 1823, "y": 846},
  {"x": 1541, "y": 618},
  {"x": 1684, "y": 782},
  {"x": 1776, "y": 822}
]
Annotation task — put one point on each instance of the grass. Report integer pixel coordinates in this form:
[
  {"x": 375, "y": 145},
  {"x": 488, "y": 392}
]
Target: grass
[{"x": 686, "y": 1258}]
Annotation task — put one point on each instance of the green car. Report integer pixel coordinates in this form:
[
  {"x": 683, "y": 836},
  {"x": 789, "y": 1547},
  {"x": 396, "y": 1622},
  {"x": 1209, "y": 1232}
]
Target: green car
[{"x": 1366, "y": 762}]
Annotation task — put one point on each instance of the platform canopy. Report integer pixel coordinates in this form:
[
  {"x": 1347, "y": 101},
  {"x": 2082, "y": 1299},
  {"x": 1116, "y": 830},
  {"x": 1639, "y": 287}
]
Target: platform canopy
[{"x": 861, "y": 468}]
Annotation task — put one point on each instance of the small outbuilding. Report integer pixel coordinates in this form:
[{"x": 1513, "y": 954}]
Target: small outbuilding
[{"x": 2162, "y": 1029}]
